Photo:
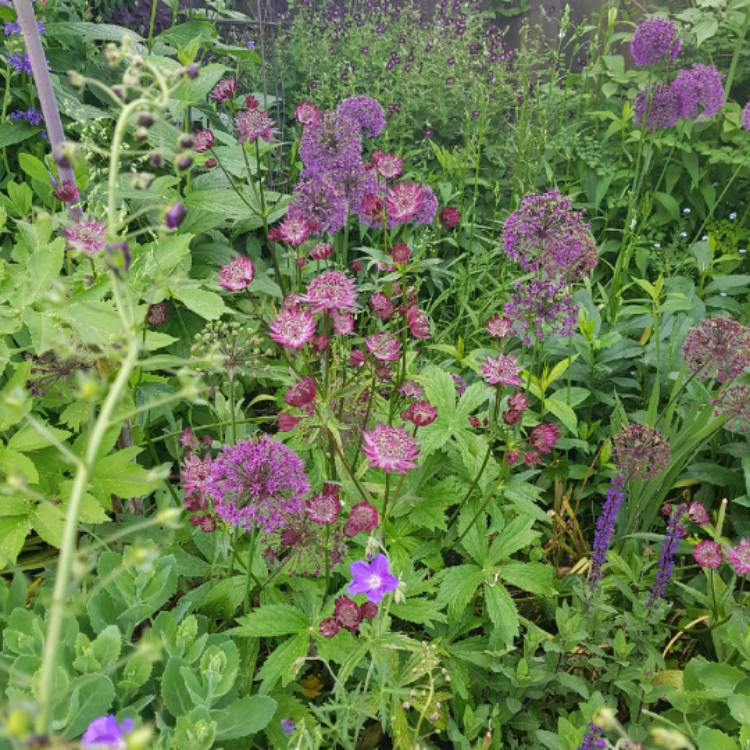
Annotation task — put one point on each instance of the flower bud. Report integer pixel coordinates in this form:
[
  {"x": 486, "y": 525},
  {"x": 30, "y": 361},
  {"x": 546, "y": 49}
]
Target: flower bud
[
  {"x": 184, "y": 162},
  {"x": 185, "y": 141},
  {"x": 75, "y": 79},
  {"x": 155, "y": 159},
  {"x": 145, "y": 119},
  {"x": 141, "y": 134},
  {"x": 175, "y": 215}
]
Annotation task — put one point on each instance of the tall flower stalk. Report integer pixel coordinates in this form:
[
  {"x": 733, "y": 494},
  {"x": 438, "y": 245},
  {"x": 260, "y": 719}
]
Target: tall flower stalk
[{"x": 605, "y": 529}]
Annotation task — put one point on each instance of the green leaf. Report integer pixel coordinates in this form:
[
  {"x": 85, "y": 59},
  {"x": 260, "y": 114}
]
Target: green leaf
[
  {"x": 118, "y": 474},
  {"x": 34, "y": 168},
  {"x": 714, "y": 680},
  {"x": 516, "y": 535},
  {"x": 536, "y": 578},
  {"x": 419, "y": 610},
  {"x": 93, "y": 322},
  {"x": 739, "y": 707},
  {"x": 208, "y": 305},
  {"x": 284, "y": 663},
  {"x": 173, "y": 691},
  {"x": 244, "y": 717},
  {"x": 13, "y": 531},
  {"x": 564, "y": 413},
  {"x": 272, "y": 620},
  {"x": 89, "y": 696},
  {"x": 705, "y": 30},
  {"x": 29, "y": 439},
  {"x": 502, "y": 611},
  {"x": 713, "y": 739},
  {"x": 15, "y": 132},
  {"x": 13, "y": 463},
  {"x": 48, "y": 521},
  {"x": 457, "y": 587}
]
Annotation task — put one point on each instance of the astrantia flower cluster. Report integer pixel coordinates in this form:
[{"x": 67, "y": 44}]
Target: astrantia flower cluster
[
  {"x": 259, "y": 483},
  {"x": 87, "y": 236}
]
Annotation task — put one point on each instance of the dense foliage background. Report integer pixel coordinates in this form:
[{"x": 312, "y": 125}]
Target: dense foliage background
[{"x": 368, "y": 381}]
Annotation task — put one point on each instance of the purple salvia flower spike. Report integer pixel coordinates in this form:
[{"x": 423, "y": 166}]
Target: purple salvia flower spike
[
  {"x": 605, "y": 528},
  {"x": 675, "y": 531}
]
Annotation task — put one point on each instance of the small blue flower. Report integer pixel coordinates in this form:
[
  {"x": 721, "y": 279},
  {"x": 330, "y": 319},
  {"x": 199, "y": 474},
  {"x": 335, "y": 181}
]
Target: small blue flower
[
  {"x": 287, "y": 726},
  {"x": 251, "y": 43}
]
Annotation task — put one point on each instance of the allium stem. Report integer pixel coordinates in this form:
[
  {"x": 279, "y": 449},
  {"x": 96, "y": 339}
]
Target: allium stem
[
  {"x": 60, "y": 592},
  {"x": 40, "y": 71}
]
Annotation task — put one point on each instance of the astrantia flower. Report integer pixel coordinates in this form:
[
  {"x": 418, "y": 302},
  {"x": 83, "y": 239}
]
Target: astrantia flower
[
  {"x": 708, "y": 554},
  {"x": 237, "y": 275},
  {"x": 372, "y": 211},
  {"x": 323, "y": 508},
  {"x": 400, "y": 252},
  {"x": 739, "y": 557},
  {"x": 252, "y": 124},
  {"x": 655, "y": 40},
  {"x": 501, "y": 370},
  {"x": 306, "y": 113},
  {"x": 410, "y": 389},
  {"x": 387, "y": 165},
  {"x": 224, "y": 90},
  {"x": 258, "y": 483},
  {"x": 418, "y": 322},
  {"x": 203, "y": 140},
  {"x": 640, "y": 452},
  {"x": 332, "y": 144},
  {"x": 733, "y": 403},
  {"x": 286, "y": 422},
  {"x": 88, "y": 236},
  {"x": 700, "y": 90},
  {"x": 698, "y": 513},
  {"x": 294, "y": 230},
  {"x": 301, "y": 393},
  {"x": 420, "y": 413},
  {"x": 657, "y": 106},
  {"x": 332, "y": 290},
  {"x": 292, "y": 328},
  {"x": 347, "y": 614},
  {"x": 544, "y": 436},
  {"x": 717, "y": 346},
  {"x": 390, "y": 448},
  {"x": 366, "y": 112},
  {"x": 106, "y": 733},
  {"x": 321, "y": 251},
  {"x": 195, "y": 476},
  {"x": 320, "y": 200},
  {"x": 499, "y": 327},
  {"x": 343, "y": 323},
  {"x": 374, "y": 580},
  {"x": 66, "y": 192},
  {"x": 384, "y": 347},
  {"x": 382, "y": 306},
  {"x": 363, "y": 517},
  {"x": 329, "y": 627},
  {"x": 746, "y": 117},
  {"x": 605, "y": 528},
  {"x": 449, "y": 217},
  {"x": 410, "y": 201}
]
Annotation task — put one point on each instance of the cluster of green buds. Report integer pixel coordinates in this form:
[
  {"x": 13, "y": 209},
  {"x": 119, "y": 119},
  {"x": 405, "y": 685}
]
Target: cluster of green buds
[{"x": 230, "y": 348}]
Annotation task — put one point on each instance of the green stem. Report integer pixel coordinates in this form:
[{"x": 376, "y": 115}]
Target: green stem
[
  {"x": 386, "y": 496},
  {"x": 249, "y": 577},
  {"x": 151, "y": 24},
  {"x": 60, "y": 593}
]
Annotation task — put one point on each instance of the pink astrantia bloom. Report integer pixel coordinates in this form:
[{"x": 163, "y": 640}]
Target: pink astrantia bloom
[
  {"x": 203, "y": 140},
  {"x": 418, "y": 323},
  {"x": 237, "y": 275},
  {"x": 343, "y": 323},
  {"x": 501, "y": 370},
  {"x": 224, "y": 90},
  {"x": 544, "y": 436},
  {"x": 406, "y": 200},
  {"x": 88, "y": 236},
  {"x": 294, "y": 230},
  {"x": 382, "y": 306},
  {"x": 321, "y": 251},
  {"x": 292, "y": 328},
  {"x": 410, "y": 389},
  {"x": 739, "y": 557},
  {"x": 420, "y": 413},
  {"x": 708, "y": 554},
  {"x": 195, "y": 475},
  {"x": 400, "y": 252},
  {"x": 390, "y": 448},
  {"x": 499, "y": 327},
  {"x": 374, "y": 580},
  {"x": 252, "y": 124},
  {"x": 362, "y": 517},
  {"x": 449, "y": 217},
  {"x": 383, "y": 346},
  {"x": 306, "y": 113},
  {"x": 698, "y": 513},
  {"x": 323, "y": 508},
  {"x": 347, "y": 614},
  {"x": 332, "y": 290},
  {"x": 387, "y": 165},
  {"x": 301, "y": 393}
]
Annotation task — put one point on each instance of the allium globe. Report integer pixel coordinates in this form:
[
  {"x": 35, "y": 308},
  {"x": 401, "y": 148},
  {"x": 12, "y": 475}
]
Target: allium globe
[
  {"x": 655, "y": 40},
  {"x": 717, "y": 347},
  {"x": 366, "y": 112},
  {"x": 640, "y": 451}
]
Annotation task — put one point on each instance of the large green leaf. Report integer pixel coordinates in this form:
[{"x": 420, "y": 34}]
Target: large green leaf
[
  {"x": 272, "y": 620},
  {"x": 89, "y": 697},
  {"x": 244, "y": 717},
  {"x": 502, "y": 611},
  {"x": 534, "y": 577}
]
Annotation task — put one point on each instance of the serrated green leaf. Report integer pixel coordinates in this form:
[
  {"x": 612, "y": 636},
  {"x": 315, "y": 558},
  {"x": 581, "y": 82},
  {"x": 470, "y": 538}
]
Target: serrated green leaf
[
  {"x": 271, "y": 620},
  {"x": 503, "y": 613},
  {"x": 516, "y": 535},
  {"x": 457, "y": 587},
  {"x": 48, "y": 521},
  {"x": 284, "y": 663},
  {"x": 534, "y": 577}
]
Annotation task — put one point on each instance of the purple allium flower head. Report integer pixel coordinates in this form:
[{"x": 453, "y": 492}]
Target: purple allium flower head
[
  {"x": 657, "y": 106},
  {"x": 733, "y": 403},
  {"x": 258, "y": 483},
  {"x": 330, "y": 145},
  {"x": 320, "y": 200},
  {"x": 539, "y": 307},
  {"x": 593, "y": 738},
  {"x": 739, "y": 557},
  {"x": 292, "y": 328},
  {"x": 366, "y": 112},
  {"x": 106, "y": 733},
  {"x": 374, "y": 579},
  {"x": 700, "y": 90},
  {"x": 640, "y": 451},
  {"x": 88, "y": 236},
  {"x": 501, "y": 370},
  {"x": 331, "y": 290},
  {"x": 708, "y": 554},
  {"x": 547, "y": 234},
  {"x": 675, "y": 531},
  {"x": 237, "y": 275},
  {"x": 252, "y": 124},
  {"x": 383, "y": 346},
  {"x": 605, "y": 528},
  {"x": 655, "y": 40},
  {"x": 745, "y": 119},
  {"x": 717, "y": 347}
]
